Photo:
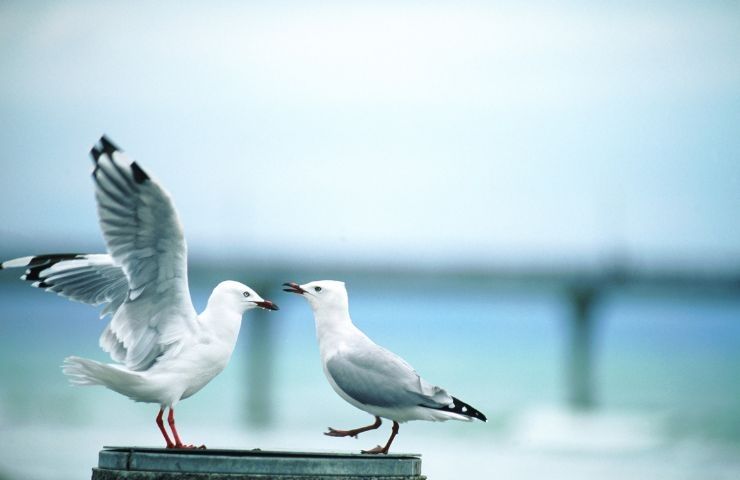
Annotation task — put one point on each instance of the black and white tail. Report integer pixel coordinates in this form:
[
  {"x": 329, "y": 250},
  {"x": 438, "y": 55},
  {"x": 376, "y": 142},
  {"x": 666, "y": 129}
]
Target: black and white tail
[{"x": 463, "y": 409}]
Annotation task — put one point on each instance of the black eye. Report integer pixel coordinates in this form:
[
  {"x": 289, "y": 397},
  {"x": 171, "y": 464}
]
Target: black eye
[
  {"x": 316, "y": 289},
  {"x": 246, "y": 294}
]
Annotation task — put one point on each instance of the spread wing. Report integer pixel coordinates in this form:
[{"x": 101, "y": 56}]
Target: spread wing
[
  {"x": 374, "y": 376},
  {"x": 145, "y": 238},
  {"x": 89, "y": 278}
]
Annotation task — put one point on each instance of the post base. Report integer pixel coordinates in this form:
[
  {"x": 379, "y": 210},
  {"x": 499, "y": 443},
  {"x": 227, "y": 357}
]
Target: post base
[{"x": 137, "y": 463}]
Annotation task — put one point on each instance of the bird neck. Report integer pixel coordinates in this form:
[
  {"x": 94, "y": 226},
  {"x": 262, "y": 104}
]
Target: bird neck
[
  {"x": 222, "y": 321},
  {"x": 333, "y": 326}
]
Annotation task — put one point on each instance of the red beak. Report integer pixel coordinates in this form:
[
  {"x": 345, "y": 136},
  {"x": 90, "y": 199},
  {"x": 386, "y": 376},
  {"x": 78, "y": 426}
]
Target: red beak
[
  {"x": 293, "y": 287},
  {"x": 267, "y": 305}
]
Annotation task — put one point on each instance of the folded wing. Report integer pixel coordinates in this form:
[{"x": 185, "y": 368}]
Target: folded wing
[{"x": 375, "y": 376}]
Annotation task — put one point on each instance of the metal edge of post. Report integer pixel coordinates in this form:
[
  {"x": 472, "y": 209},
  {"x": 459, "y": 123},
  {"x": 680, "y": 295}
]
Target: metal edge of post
[{"x": 137, "y": 463}]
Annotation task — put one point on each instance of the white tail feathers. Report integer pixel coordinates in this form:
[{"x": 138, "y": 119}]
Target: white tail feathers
[{"x": 82, "y": 371}]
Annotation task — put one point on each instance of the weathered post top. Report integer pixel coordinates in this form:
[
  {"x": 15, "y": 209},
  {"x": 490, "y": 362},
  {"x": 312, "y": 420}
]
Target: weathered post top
[{"x": 137, "y": 463}]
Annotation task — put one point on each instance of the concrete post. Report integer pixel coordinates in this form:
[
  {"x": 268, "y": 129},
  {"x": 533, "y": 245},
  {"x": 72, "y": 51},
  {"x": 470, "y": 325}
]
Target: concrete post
[{"x": 135, "y": 463}]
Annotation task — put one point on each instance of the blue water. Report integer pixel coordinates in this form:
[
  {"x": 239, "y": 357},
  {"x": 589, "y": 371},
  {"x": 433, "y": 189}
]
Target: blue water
[{"x": 667, "y": 374}]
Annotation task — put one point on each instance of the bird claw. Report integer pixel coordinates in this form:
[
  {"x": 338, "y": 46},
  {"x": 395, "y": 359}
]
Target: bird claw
[
  {"x": 187, "y": 447},
  {"x": 339, "y": 433},
  {"x": 375, "y": 451}
]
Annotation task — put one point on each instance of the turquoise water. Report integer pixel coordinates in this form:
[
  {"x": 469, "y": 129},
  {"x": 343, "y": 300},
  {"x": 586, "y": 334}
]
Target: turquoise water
[{"x": 667, "y": 384}]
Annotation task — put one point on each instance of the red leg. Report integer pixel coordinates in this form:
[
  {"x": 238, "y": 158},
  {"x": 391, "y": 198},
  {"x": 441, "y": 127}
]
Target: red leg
[
  {"x": 355, "y": 431},
  {"x": 384, "y": 450},
  {"x": 178, "y": 443},
  {"x": 160, "y": 424}
]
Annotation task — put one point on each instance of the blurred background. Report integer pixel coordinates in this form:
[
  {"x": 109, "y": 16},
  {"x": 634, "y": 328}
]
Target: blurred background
[{"x": 537, "y": 206}]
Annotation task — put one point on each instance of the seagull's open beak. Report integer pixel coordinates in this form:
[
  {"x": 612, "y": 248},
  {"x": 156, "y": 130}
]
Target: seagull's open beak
[
  {"x": 267, "y": 305},
  {"x": 293, "y": 287}
]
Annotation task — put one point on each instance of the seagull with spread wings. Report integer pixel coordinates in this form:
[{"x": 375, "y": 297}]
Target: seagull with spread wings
[{"x": 163, "y": 350}]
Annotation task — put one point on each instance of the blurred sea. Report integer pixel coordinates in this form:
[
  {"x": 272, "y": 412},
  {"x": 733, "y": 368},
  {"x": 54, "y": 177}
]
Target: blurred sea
[{"x": 667, "y": 379}]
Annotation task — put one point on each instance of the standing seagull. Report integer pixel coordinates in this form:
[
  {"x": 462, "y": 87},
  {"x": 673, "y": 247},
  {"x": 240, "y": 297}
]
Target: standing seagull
[
  {"x": 367, "y": 375},
  {"x": 164, "y": 351}
]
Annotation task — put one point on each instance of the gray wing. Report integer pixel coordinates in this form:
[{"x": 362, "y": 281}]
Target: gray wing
[
  {"x": 144, "y": 236},
  {"x": 88, "y": 278},
  {"x": 139, "y": 223},
  {"x": 374, "y": 376}
]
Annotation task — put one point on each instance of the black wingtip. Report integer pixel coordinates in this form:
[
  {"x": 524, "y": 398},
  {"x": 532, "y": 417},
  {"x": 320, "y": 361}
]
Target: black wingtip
[
  {"x": 95, "y": 154},
  {"x": 140, "y": 175},
  {"x": 462, "y": 408},
  {"x": 40, "y": 263},
  {"x": 104, "y": 145},
  {"x": 108, "y": 146}
]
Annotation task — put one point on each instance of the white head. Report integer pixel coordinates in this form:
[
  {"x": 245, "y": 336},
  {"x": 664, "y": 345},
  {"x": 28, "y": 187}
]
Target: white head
[
  {"x": 321, "y": 294},
  {"x": 238, "y": 297}
]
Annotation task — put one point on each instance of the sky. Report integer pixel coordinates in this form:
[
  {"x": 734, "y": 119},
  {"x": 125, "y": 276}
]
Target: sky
[{"x": 413, "y": 132}]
